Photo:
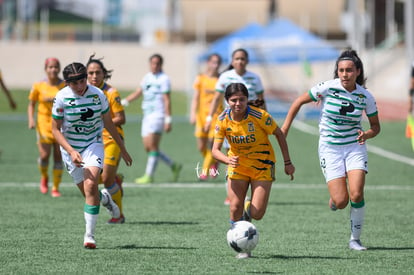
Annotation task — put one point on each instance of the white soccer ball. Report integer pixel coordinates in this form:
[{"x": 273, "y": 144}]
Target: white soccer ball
[{"x": 243, "y": 237}]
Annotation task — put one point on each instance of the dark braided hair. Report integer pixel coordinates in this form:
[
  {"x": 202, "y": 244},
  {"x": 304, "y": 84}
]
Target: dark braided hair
[{"x": 74, "y": 71}]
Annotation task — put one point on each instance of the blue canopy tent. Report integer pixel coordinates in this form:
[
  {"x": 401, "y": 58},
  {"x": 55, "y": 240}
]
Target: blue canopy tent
[
  {"x": 223, "y": 45},
  {"x": 281, "y": 41}
]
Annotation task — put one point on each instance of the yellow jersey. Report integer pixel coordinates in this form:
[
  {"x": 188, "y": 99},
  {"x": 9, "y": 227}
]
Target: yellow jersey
[
  {"x": 249, "y": 138},
  {"x": 115, "y": 106},
  {"x": 44, "y": 93},
  {"x": 205, "y": 85}
]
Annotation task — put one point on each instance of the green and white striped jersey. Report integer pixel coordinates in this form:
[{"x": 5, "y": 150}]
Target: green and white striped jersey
[
  {"x": 82, "y": 116},
  {"x": 341, "y": 111},
  {"x": 154, "y": 86}
]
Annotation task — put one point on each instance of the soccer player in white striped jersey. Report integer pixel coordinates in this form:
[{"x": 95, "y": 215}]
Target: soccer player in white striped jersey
[
  {"x": 80, "y": 111},
  {"x": 155, "y": 88},
  {"x": 342, "y": 150}
]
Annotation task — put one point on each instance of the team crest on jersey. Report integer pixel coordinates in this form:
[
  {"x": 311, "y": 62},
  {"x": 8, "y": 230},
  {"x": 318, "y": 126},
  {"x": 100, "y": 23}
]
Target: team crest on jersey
[
  {"x": 59, "y": 110},
  {"x": 217, "y": 128},
  {"x": 118, "y": 100},
  {"x": 250, "y": 127},
  {"x": 95, "y": 100},
  {"x": 360, "y": 98}
]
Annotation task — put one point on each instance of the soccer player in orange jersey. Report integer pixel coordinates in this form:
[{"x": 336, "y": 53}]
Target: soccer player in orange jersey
[
  {"x": 204, "y": 92},
  {"x": 97, "y": 76},
  {"x": 251, "y": 158},
  {"x": 43, "y": 93}
]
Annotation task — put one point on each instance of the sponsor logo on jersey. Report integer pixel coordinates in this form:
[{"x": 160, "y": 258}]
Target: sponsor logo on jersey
[{"x": 242, "y": 139}]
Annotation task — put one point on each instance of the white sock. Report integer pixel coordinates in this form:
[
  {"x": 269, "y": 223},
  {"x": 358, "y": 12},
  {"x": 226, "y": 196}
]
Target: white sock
[
  {"x": 357, "y": 220},
  {"x": 90, "y": 220},
  {"x": 152, "y": 162},
  {"x": 166, "y": 159}
]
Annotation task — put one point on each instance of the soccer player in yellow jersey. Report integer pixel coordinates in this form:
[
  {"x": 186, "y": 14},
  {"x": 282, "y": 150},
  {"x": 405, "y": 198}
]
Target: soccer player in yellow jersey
[
  {"x": 251, "y": 159},
  {"x": 204, "y": 92},
  {"x": 97, "y": 76},
  {"x": 43, "y": 93}
]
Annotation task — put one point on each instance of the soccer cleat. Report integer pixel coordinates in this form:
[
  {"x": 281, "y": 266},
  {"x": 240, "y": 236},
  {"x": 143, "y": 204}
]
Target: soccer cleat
[
  {"x": 56, "y": 194},
  {"x": 332, "y": 205},
  {"x": 120, "y": 220},
  {"x": 44, "y": 188},
  {"x": 119, "y": 179},
  {"x": 244, "y": 255},
  {"x": 89, "y": 241},
  {"x": 176, "y": 169},
  {"x": 110, "y": 205},
  {"x": 145, "y": 179},
  {"x": 356, "y": 245},
  {"x": 246, "y": 210}
]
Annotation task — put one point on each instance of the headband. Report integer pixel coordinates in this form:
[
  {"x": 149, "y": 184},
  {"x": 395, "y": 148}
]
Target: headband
[{"x": 75, "y": 77}]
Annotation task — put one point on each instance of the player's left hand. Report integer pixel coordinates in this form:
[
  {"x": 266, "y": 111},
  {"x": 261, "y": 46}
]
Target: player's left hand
[
  {"x": 361, "y": 137},
  {"x": 289, "y": 170}
]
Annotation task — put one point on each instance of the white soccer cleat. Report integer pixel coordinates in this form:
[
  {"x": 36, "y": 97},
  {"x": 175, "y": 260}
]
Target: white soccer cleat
[
  {"x": 243, "y": 255},
  {"x": 110, "y": 205},
  {"x": 89, "y": 241},
  {"x": 356, "y": 245}
]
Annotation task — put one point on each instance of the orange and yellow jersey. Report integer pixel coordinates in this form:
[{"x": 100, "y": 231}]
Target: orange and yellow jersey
[
  {"x": 249, "y": 138},
  {"x": 44, "y": 93},
  {"x": 115, "y": 106},
  {"x": 205, "y": 85}
]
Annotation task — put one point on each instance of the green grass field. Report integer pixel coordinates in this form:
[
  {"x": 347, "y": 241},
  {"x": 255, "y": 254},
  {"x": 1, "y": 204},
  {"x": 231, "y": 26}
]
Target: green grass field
[{"x": 181, "y": 228}]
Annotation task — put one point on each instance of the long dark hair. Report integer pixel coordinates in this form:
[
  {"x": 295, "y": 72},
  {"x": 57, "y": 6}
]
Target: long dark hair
[
  {"x": 107, "y": 73},
  {"x": 230, "y": 66},
  {"x": 234, "y": 88},
  {"x": 351, "y": 55}
]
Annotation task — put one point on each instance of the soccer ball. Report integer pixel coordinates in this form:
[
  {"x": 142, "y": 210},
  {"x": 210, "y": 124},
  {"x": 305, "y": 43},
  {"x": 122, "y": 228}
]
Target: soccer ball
[{"x": 243, "y": 237}]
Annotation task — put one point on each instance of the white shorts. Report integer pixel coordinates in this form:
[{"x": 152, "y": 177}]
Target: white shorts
[
  {"x": 336, "y": 160},
  {"x": 152, "y": 125},
  {"x": 92, "y": 156}
]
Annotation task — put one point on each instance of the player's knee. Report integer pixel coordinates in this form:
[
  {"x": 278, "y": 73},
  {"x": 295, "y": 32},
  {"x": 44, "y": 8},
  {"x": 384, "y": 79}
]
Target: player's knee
[
  {"x": 341, "y": 204},
  {"x": 357, "y": 196},
  {"x": 257, "y": 214}
]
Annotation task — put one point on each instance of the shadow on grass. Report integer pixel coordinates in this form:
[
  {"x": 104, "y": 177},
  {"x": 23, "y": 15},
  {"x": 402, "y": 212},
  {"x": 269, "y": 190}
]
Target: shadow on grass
[
  {"x": 163, "y": 223},
  {"x": 282, "y": 203},
  {"x": 284, "y": 257},
  {"x": 133, "y": 246},
  {"x": 264, "y": 272},
  {"x": 390, "y": 248}
]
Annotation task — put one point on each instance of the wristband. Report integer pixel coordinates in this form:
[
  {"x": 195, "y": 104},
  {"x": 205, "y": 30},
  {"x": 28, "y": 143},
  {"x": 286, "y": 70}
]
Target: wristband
[
  {"x": 208, "y": 119},
  {"x": 167, "y": 120},
  {"x": 124, "y": 102}
]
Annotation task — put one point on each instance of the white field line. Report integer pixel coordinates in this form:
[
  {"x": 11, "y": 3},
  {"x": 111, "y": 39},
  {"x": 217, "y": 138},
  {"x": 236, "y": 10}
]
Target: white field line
[
  {"x": 371, "y": 148},
  {"x": 288, "y": 186}
]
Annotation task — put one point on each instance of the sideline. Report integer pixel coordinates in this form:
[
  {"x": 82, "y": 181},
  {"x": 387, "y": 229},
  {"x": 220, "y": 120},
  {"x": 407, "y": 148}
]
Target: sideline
[
  {"x": 197, "y": 185},
  {"x": 302, "y": 126}
]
